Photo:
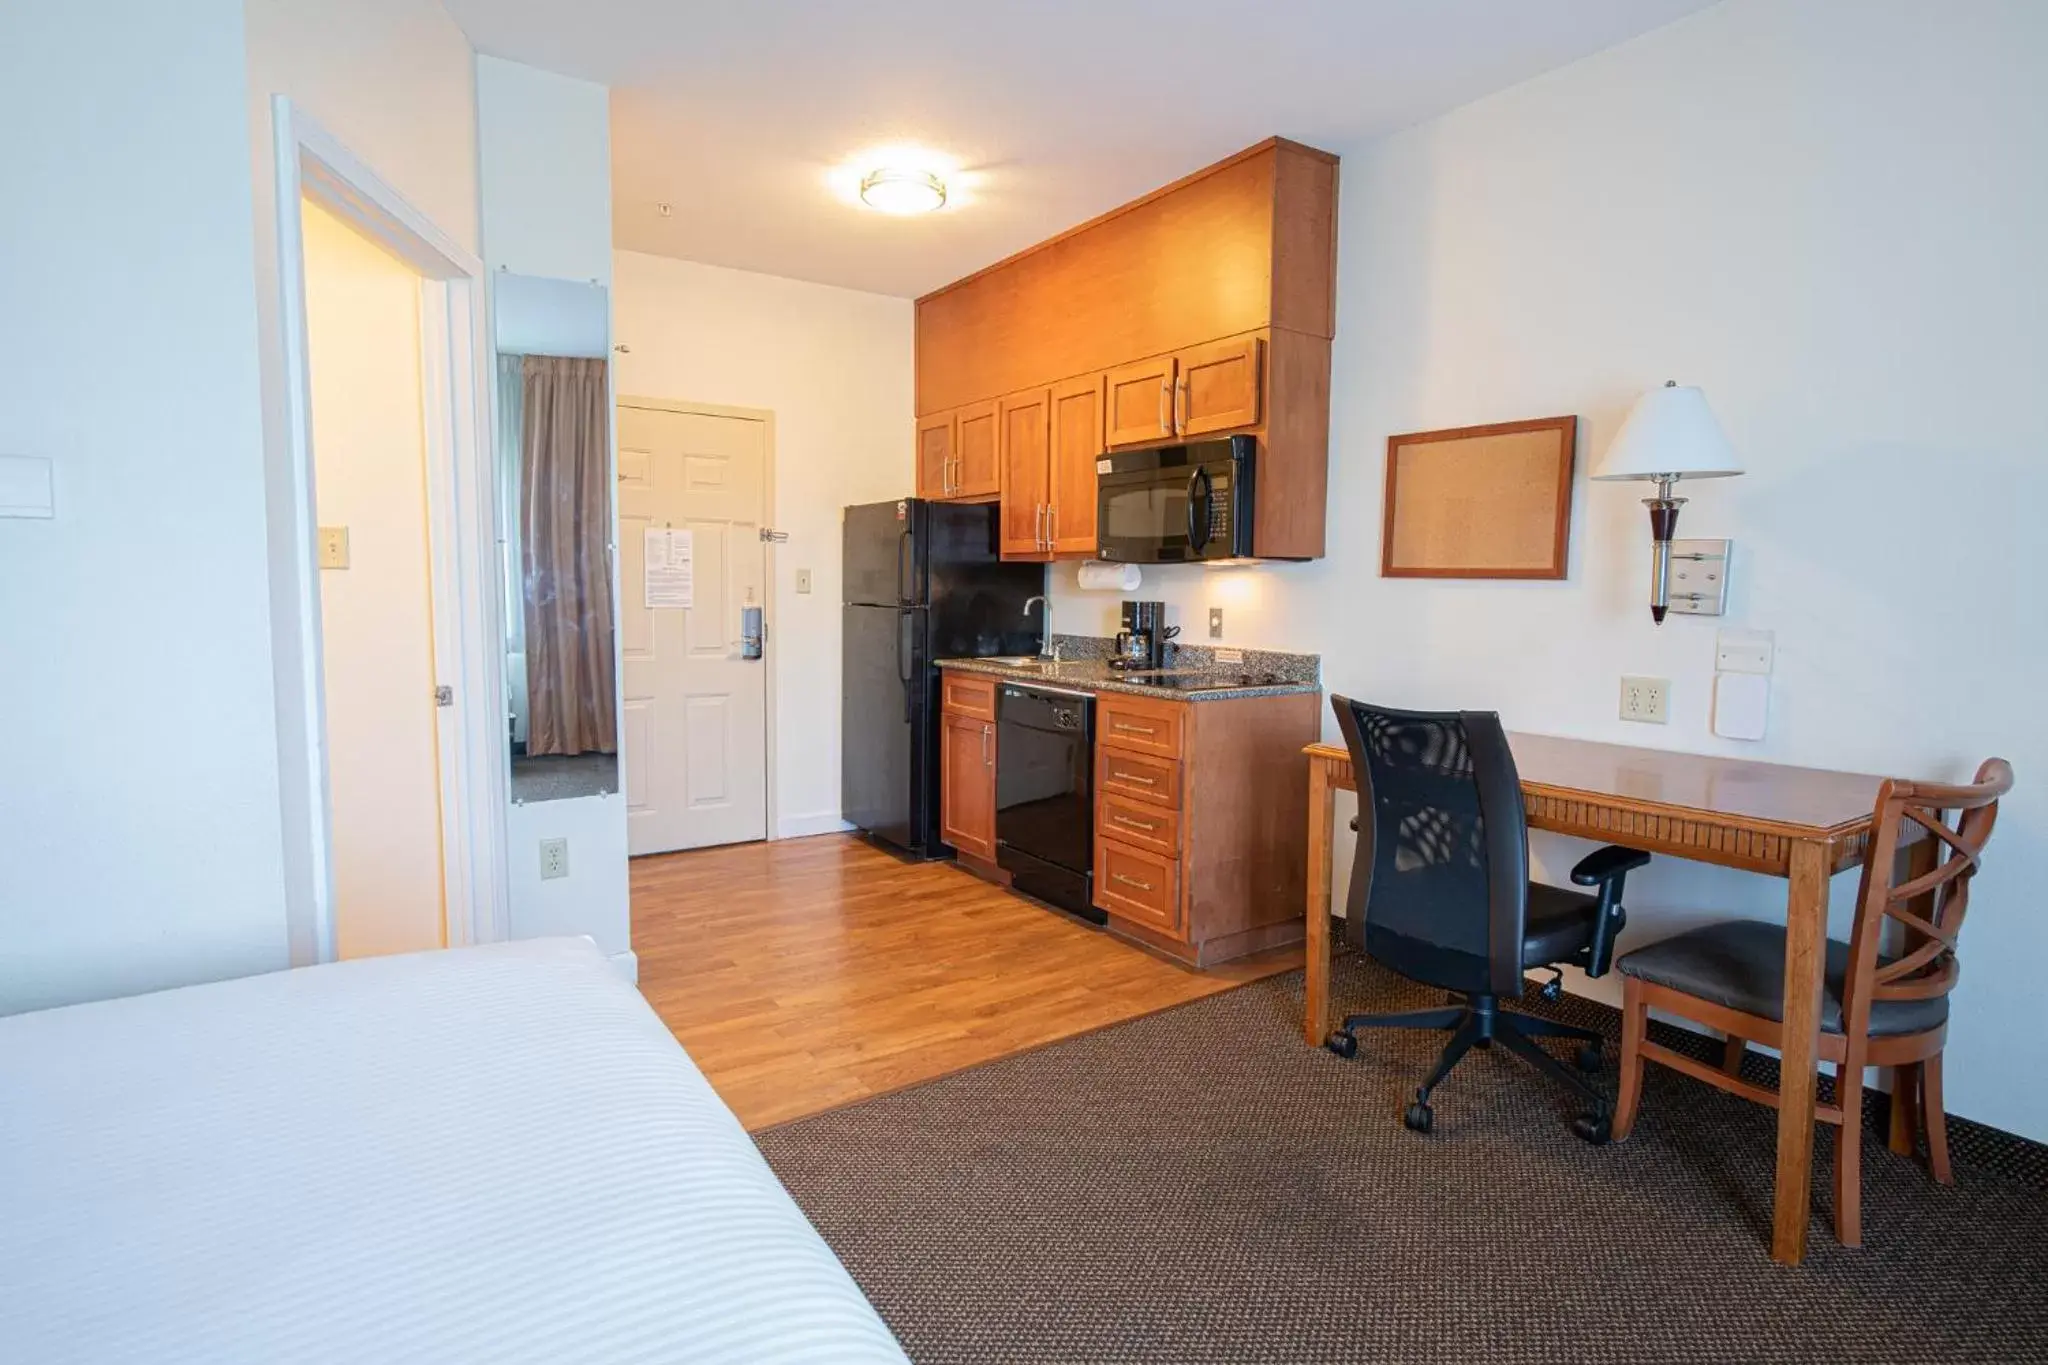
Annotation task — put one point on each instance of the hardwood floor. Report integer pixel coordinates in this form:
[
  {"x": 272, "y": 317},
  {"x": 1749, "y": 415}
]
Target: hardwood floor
[{"x": 809, "y": 973}]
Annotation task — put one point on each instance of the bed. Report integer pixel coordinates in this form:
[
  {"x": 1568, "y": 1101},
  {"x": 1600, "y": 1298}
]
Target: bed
[{"x": 491, "y": 1154}]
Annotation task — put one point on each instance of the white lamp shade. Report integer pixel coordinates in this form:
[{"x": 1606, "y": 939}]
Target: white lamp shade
[{"x": 1670, "y": 433}]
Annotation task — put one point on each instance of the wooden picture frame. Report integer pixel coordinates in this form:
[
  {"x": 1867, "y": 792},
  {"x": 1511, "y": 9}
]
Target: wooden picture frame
[{"x": 1480, "y": 502}]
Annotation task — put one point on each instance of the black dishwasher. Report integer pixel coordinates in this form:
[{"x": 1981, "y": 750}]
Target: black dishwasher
[{"x": 1045, "y": 795}]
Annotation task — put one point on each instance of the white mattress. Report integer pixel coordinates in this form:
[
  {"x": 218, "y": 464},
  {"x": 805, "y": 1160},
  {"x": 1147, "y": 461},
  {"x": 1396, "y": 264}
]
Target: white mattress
[{"x": 492, "y": 1154}]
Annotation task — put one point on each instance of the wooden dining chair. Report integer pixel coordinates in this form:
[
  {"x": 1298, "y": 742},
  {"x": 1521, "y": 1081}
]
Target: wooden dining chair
[{"x": 1876, "y": 1009}]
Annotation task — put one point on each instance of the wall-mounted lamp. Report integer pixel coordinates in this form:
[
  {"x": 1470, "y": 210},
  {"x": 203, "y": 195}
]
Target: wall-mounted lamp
[{"x": 1670, "y": 435}]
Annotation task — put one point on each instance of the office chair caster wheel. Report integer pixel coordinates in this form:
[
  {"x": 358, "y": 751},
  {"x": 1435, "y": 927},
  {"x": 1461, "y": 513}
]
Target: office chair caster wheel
[
  {"x": 1418, "y": 1117},
  {"x": 1596, "y": 1129},
  {"x": 1589, "y": 1058},
  {"x": 1342, "y": 1043}
]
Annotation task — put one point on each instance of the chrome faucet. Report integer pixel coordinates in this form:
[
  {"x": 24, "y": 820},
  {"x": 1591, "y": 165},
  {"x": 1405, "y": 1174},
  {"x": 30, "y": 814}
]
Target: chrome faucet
[{"x": 1047, "y": 649}]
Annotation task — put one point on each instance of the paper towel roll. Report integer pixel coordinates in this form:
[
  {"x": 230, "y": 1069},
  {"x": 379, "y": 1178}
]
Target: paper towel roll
[{"x": 1105, "y": 577}]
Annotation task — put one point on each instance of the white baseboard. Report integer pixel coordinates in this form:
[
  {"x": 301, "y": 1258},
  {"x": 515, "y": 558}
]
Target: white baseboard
[
  {"x": 803, "y": 826},
  {"x": 628, "y": 964}
]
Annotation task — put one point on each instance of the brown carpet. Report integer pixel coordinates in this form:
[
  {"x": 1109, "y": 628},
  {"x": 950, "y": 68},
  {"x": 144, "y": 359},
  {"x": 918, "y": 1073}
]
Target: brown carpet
[{"x": 1200, "y": 1186}]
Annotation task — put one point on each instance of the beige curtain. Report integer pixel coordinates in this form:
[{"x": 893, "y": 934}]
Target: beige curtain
[{"x": 565, "y": 500}]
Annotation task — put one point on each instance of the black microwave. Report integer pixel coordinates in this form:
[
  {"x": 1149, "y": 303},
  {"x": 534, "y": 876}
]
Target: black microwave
[{"x": 1176, "y": 504}]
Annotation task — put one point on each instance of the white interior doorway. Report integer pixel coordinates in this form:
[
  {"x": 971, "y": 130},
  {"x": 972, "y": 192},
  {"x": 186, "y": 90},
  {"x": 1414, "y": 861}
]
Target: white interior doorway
[
  {"x": 377, "y": 593},
  {"x": 464, "y": 627},
  {"x": 694, "y": 490}
]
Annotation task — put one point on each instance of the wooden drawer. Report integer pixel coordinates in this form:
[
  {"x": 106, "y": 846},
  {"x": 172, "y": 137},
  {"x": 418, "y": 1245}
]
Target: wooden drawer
[
  {"x": 1118, "y": 773},
  {"x": 1136, "y": 822},
  {"x": 1140, "y": 724},
  {"x": 967, "y": 694},
  {"x": 1138, "y": 884}
]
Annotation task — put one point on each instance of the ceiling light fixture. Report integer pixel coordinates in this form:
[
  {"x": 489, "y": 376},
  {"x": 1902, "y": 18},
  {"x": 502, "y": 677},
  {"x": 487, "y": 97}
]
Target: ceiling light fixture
[{"x": 898, "y": 191}]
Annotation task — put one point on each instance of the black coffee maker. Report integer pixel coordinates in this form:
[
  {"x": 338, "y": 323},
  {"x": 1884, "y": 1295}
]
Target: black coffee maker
[{"x": 1141, "y": 644}]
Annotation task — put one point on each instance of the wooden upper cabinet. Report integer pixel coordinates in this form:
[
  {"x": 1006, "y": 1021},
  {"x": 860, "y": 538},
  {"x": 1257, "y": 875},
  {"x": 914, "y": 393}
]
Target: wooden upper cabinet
[
  {"x": 935, "y": 455},
  {"x": 1217, "y": 387},
  {"x": 1140, "y": 403},
  {"x": 1244, "y": 245},
  {"x": 1076, "y": 443},
  {"x": 1204, "y": 308},
  {"x": 1024, "y": 423},
  {"x": 977, "y": 468}
]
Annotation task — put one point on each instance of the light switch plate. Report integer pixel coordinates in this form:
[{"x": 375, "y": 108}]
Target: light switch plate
[
  {"x": 1646, "y": 699},
  {"x": 28, "y": 486},
  {"x": 1744, "y": 651},
  {"x": 803, "y": 580},
  {"x": 334, "y": 547},
  {"x": 554, "y": 859},
  {"x": 1215, "y": 623}
]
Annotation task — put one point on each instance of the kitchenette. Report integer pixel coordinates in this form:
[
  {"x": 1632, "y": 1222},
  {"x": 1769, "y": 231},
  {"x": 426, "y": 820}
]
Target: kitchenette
[{"x": 1150, "y": 388}]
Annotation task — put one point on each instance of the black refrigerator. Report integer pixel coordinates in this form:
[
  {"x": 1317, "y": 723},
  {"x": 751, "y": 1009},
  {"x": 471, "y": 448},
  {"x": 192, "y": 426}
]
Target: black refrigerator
[{"x": 922, "y": 581}]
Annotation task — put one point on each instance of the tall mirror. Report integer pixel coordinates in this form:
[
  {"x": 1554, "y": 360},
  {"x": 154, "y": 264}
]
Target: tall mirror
[{"x": 555, "y": 484}]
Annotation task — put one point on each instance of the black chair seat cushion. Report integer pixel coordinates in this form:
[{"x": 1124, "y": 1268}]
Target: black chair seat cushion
[
  {"x": 1560, "y": 924},
  {"x": 1741, "y": 964}
]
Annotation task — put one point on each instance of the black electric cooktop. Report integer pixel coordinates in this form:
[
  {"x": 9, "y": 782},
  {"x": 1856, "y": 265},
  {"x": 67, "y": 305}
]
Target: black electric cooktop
[{"x": 1205, "y": 682}]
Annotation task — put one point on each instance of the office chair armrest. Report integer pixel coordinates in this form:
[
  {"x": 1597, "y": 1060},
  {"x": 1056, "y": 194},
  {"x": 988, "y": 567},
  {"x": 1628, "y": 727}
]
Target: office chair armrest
[
  {"x": 1602, "y": 864},
  {"x": 1608, "y": 869}
]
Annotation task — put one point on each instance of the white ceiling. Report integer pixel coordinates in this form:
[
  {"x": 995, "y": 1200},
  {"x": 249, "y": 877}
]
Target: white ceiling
[{"x": 737, "y": 112}]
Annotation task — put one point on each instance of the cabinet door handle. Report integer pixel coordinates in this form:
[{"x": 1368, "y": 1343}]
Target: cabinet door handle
[
  {"x": 1052, "y": 519},
  {"x": 1126, "y": 821},
  {"x": 1180, "y": 406},
  {"x": 1132, "y": 729},
  {"x": 1165, "y": 405},
  {"x": 1130, "y": 881},
  {"x": 984, "y": 748},
  {"x": 1041, "y": 526},
  {"x": 1132, "y": 777}
]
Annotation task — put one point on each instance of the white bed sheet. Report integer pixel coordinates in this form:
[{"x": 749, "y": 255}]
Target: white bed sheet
[{"x": 490, "y": 1154}]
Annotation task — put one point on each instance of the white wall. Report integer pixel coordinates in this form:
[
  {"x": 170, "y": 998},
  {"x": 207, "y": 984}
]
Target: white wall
[
  {"x": 376, "y": 615},
  {"x": 834, "y": 365},
  {"x": 394, "y": 81},
  {"x": 545, "y": 142},
  {"x": 138, "y": 787},
  {"x": 1827, "y": 213}
]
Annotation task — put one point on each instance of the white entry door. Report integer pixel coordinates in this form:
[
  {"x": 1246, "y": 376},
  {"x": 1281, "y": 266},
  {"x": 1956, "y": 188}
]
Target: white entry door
[{"x": 695, "y": 718}]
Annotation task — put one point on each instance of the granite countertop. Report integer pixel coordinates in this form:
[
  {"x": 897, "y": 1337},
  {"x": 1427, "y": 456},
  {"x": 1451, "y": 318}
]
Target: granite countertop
[{"x": 1095, "y": 675}]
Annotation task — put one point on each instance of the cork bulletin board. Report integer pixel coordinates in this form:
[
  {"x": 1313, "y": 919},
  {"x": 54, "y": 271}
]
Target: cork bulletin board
[{"x": 1480, "y": 502}]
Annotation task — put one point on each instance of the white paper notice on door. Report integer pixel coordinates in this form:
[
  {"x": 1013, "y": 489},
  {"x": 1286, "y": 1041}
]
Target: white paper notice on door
[{"x": 670, "y": 569}]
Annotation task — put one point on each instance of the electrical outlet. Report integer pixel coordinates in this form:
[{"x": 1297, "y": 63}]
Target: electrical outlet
[
  {"x": 1229, "y": 656},
  {"x": 1646, "y": 699},
  {"x": 554, "y": 859},
  {"x": 803, "y": 580},
  {"x": 1215, "y": 623}
]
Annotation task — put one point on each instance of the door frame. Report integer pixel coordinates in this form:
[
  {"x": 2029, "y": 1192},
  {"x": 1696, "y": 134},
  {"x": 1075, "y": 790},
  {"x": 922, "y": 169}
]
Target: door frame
[
  {"x": 469, "y": 635},
  {"x": 770, "y": 638}
]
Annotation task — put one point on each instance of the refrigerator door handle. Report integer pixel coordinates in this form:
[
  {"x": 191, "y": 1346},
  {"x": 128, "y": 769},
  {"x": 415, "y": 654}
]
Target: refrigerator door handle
[
  {"x": 902, "y": 561},
  {"x": 903, "y": 661}
]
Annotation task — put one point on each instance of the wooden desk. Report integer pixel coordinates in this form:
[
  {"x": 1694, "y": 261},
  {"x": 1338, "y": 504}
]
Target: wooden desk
[{"x": 1798, "y": 823}]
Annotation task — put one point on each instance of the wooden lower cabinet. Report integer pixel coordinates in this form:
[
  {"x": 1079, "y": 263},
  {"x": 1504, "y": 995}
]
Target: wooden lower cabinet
[
  {"x": 1201, "y": 811},
  {"x": 967, "y": 784}
]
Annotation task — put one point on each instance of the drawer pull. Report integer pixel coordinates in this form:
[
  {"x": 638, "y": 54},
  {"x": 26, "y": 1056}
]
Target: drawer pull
[
  {"x": 1131, "y": 881},
  {"x": 1132, "y": 729},
  {"x": 1122, "y": 776},
  {"x": 1129, "y": 823}
]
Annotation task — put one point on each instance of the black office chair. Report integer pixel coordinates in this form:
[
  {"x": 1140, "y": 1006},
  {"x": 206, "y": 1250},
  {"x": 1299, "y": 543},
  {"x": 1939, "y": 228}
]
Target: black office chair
[{"x": 1440, "y": 892}]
